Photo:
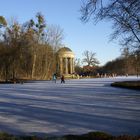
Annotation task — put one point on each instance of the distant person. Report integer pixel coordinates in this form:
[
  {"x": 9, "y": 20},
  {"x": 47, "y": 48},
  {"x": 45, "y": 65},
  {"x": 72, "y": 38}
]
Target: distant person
[
  {"x": 54, "y": 77},
  {"x": 62, "y": 79},
  {"x": 77, "y": 76}
]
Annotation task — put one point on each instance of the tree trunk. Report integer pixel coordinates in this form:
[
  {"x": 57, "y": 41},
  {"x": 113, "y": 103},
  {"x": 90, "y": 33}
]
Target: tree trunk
[{"x": 33, "y": 67}]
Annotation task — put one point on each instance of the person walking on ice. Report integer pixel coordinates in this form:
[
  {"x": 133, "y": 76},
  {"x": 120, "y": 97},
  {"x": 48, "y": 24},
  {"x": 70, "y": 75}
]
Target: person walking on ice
[
  {"x": 62, "y": 79},
  {"x": 54, "y": 77}
]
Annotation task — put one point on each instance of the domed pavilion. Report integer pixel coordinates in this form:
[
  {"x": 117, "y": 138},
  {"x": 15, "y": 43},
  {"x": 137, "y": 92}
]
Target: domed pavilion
[{"x": 65, "y": 61}]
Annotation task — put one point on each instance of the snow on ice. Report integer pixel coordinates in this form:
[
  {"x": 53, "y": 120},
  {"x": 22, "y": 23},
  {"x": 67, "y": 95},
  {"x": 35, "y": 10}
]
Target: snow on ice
[{"x": 76, "y": 107}]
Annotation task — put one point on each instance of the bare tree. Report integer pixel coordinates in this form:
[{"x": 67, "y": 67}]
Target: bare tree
[
  {"x": 125, "y": 15},
  {"x": 137, "y": 62},
  {"x": 54, "y": 36},
  {"x": 12, "y": 39},
  {"x": 77, "y": 64},
  {"x": 89, "y": 58},
  {"x": 25, "y": 52},
  {"x": 126, "y": 55},
  {"x": 36, "y": 30},
  {"x": 3, "y": 22}
]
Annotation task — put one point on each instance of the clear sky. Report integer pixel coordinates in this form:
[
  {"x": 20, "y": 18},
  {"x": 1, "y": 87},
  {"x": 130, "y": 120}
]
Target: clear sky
[{"x": 66, "y": 13}]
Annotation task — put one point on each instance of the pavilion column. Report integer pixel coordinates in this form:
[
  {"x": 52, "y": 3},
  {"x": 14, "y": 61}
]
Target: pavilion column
[
  {"x": 66, "y": 65},
  {"x": 73, "y": 69},
  {"x": 71, "y": 66},
  {"x": 61, "y": 65}
]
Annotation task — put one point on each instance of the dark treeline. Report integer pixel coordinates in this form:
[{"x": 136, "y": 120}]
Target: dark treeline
[
  {"x": 27, "y": 50},
  {"x": 126, "y": 64},
  {"x": 123, "y": 66},
  {"x": 125, "y": 19}
]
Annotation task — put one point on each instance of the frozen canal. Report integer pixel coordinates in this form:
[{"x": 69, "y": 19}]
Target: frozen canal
[{"x": 76, "y": 107}]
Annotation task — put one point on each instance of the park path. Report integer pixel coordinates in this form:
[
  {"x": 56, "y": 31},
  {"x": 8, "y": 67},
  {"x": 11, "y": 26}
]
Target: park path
[{"x": 76, "y": 107}]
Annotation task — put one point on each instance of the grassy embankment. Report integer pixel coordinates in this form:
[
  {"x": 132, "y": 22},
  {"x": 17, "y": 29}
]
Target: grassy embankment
[
  {"x": 127, "y": 84},
  {"x": 88, "y": 136}
]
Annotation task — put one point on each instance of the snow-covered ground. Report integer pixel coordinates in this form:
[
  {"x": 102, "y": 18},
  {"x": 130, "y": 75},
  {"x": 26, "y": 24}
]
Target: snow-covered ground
[{"x": 76, "y": 107}]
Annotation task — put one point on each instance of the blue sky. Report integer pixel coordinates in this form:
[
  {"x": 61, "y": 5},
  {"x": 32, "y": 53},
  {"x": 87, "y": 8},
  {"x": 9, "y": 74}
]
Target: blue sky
[{"x": 65, "y": 13}]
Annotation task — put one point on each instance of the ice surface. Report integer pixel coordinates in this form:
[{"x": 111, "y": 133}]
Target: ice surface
[{"x": 76, "y": 107}]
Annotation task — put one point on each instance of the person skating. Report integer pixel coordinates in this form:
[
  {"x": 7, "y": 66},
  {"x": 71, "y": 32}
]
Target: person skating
[{"x": 62, "y": 79}]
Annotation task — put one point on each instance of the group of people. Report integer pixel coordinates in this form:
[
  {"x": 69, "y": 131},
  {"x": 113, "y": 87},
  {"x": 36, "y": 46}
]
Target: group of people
[{"x": 55, "y": 78}]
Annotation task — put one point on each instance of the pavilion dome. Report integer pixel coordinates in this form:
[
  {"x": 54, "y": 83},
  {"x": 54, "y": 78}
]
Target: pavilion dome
[
  {"x": 64, "y": 49},
  {"x": 65, "y": 52}
]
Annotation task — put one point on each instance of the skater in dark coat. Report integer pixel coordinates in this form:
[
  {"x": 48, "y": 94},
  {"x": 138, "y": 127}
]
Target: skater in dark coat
[{"x": 62, "y": 79}]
